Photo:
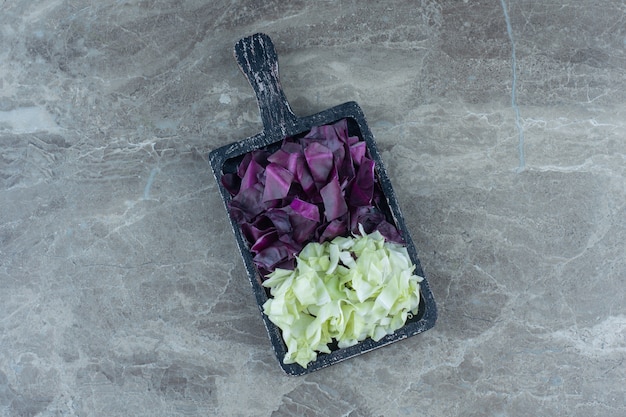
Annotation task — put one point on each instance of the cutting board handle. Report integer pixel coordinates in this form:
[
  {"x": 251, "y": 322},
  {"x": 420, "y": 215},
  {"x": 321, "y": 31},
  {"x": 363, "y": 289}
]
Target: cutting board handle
[{"x": 258, "y": 61}]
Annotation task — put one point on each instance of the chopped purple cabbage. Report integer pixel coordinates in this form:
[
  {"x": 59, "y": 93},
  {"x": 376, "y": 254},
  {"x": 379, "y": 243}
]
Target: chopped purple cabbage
[{"x": 314, "y": 188}]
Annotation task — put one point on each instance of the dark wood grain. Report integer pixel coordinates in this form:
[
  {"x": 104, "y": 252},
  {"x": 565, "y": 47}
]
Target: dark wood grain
[{"x": 258, "y": 61}]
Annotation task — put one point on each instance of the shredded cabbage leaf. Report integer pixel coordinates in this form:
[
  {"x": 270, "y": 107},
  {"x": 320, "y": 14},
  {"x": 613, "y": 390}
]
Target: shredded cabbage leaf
[
  {"x": 324, "y": 184},
  {"x": 347, "y": 290}
]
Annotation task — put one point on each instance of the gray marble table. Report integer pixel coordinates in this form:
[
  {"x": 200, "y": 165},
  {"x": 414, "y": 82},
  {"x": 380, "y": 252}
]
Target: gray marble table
[{"x": 503, "y": 128}]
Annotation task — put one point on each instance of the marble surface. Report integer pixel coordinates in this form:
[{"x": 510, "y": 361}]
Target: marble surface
[{"x": 502, "y": 125}]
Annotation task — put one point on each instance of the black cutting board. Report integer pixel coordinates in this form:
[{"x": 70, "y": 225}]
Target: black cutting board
[{"x": 257, "y": 58}]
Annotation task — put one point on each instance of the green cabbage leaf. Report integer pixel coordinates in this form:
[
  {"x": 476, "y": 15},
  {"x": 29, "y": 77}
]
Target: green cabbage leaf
[{"x": 346, "y": 290}]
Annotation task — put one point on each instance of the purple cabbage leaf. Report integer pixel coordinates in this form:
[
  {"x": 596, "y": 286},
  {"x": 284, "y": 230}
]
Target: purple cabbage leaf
[{"x": 313, "y": 188}]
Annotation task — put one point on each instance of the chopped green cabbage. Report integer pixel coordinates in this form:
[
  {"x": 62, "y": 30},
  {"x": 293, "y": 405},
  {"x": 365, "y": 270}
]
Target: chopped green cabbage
[{"x": 348, "y": 289}]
